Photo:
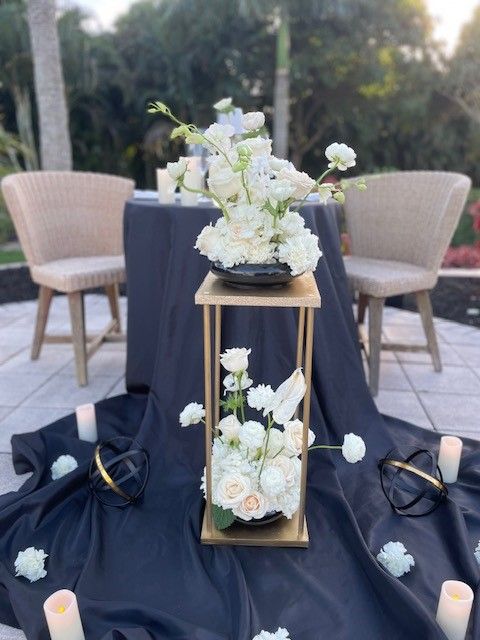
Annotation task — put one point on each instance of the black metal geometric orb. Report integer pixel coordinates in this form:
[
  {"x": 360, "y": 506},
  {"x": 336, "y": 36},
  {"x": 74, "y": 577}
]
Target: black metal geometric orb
[
  {"x": 119, "y": 472},
  {"x": 412, "y": 481}
]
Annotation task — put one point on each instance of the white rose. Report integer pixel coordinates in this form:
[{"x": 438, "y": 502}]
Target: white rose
[
  {"x": 223, "y": 105},
  {"x": 299, "y": 179},
  {"x": 276, "y": 164},
  {"x": 253, "y": 120},
  {"x": 192, "y": 414},
  {"x": 275, "y": 442},
  {"x": 235, "y": 360},
  {"x": 209, "y": 243},
  {"x": 231, "y": 489},
  {"x": 286, "y": 466},
  {"x": 225, "y": 183},
  {"x": 258, "y": 146},
  {"x": 353, "y": 448},
  {"x": 300, "y": 252},
  {"x": 31, "y": 564},
  {"x": 272, "y": 481},
  {"x": 281, "y": 190},
  {"x": 293, "y": 437},
  {"x": 287, "y": 397},
  {"x": 217, "y": 137},
  {"x": 177, "y": 169},
  {"x": 394, "y": 557},
  {"x": 229, "y": 426},
  {"x": 254, "y": 505},
  {"x": 260, "y": 396},
  {"x": 63, "y": 465},
  {"x": 231, "y": 383},
  {"x": 251, "y": 434},
  {"x": 341, "y": 157}
]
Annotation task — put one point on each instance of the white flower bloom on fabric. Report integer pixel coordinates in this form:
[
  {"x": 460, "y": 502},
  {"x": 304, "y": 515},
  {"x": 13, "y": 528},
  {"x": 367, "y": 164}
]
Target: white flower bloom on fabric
[
  {"x": 254, "y": 505},
  {"x": 325, "y": 191},
  {"x": 258, "y": 146},
  {"x": 341, "y": 156},
  {"x": 253, "y": 120},
  {"x": 251, "y": 434},
  {"x": 225, "y": 183},
  {"x": 299, "y": 179},
  {"x": 281, "y": 190},
  {"x": 272, "y": 481},
  {"x": 301, "y": 253},
  {"x": 353, "y": 448},
  {"x": 286, "y": 466},
  {"x": 394, "y": 557},
  {"x": 218, "y": 137},
  {"x": 223, "y": 105},
  {"x": 63, "y": 465},
  {"x": 293, "y": 437},
  {"x": 260, "y": 396},
  {"x": 177, "y": 169},
  {"x": 192, "y": 414},
  {"x": 287, "y": 397},
  {"x": 229, "y": 426},
  {"x": 231, "y": 383},
  {"x": 209, "y": 243},
  {"x": 280, "y": 634},
  {"x": 235, "y": 359},
  {"x": 477, "y": 552},
  {"x": 275, "y": 442},
  {"x": 277, "y": 164},
  {"x": 30, "y": 564}
]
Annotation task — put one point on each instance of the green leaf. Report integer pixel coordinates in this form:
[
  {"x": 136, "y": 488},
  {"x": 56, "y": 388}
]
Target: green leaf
[{"x": 222, "y": 518}]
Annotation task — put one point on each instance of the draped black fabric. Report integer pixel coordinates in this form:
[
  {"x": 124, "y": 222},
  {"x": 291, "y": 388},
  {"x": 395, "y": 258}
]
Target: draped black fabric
[{"x": 141, "y": 573}]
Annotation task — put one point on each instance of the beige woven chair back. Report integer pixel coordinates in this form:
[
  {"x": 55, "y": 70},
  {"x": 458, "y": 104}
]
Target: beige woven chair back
[
  {"x": 407, "y": 216},
  {"x": 66, "y": 214}
]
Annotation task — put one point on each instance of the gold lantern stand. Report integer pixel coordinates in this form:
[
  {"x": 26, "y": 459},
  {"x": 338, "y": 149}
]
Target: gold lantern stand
[{"x": 301, "y": 293}]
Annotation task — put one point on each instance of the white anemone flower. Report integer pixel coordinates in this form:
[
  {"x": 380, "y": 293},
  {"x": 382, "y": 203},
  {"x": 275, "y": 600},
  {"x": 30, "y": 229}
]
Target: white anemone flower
[{"x": 192, "y": 414}]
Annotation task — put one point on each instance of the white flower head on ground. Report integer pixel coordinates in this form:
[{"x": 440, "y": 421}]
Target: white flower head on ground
[
  {"x": 255, "y": 192},
  {"x": 280, "y": 634},
  {"x": 30, "y": 564},
  {"x": 63, "y": 464},
  {"x": 477, "y": 552},
  {"x": 193, "y": 413},
  {"x": 353, "y": 448},
  {"x": 394, "y": 557}
]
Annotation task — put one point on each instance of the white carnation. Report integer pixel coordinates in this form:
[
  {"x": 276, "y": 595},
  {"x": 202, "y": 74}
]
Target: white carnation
[
  {"x": 253, "y": 120},
  {"x": 275, "y": 442},
  {"x": 229, "y": 426},
  {"x": 301, "y": 253},
  {"x": 63, "y": 465},
  {"x": 477, "y": 552},
  {"x": 177, "y": 169},
  {"x": 251, "y": 434},
  {"x": 192, "y": 414},
  {"x": 277, "y": 164},
  {"x": 341, "y": 156},
  {"x": 223, "y": 105},
  {"x": 31, "y": 564},
  {"x": 394, "y": 557},
  {"x": 292, "y": 224},
  {"x": 280, "y": 634},
  {"x": 209, "y": 243},
  {"x": 281, "y": 190},
  {"x": 353, "y": 448},
  {"x": 272, "y": 481},
  {"x": 260, "y": 396},
  {"x": 232, "y": 383}
]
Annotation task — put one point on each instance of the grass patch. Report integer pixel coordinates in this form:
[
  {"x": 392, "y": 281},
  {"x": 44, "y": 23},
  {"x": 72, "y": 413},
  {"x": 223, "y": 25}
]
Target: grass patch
[{"x": 7, "y": 257}]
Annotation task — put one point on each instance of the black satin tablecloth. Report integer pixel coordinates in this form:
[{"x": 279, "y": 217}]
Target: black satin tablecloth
[{"x": 141, "y": 573}]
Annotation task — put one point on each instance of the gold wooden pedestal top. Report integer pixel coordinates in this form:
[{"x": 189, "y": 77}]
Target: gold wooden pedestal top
[{"x": 300, "y": 292}]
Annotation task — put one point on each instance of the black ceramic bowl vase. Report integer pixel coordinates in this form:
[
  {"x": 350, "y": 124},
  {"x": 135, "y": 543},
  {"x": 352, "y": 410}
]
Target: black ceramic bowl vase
[{"x": 248, "y": 276}]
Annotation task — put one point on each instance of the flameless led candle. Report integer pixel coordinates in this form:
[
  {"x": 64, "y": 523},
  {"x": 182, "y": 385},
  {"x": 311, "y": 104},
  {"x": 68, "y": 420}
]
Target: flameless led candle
[
  {"x": 193, "y": 180},
  {"x": 165, "y": 187},
  {"x": 87, "y": 422},
  {"x": 449, "y": 458},
  {"x": 454, "y": 606},
  {"x": 63, "y": 616}
]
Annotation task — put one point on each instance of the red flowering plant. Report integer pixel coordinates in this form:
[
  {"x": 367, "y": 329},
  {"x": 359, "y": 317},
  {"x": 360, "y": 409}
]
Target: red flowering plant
[{"x": 466, "y": 255}]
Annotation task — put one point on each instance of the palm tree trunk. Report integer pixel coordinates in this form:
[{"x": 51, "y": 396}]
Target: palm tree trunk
[
  {"x": 55, "y": 145},
  {"x": 281, "y": 90},
  {"x": 23, "y": 115}
]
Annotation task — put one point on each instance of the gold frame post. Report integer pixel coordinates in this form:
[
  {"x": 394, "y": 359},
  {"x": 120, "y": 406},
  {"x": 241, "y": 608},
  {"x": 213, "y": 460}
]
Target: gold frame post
[
  {"x": 207, "y": 348},
  {"x": 218, "y": 348}
]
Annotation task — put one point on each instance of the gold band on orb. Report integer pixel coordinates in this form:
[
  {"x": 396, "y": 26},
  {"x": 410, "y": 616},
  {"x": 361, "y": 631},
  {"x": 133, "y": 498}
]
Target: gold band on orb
[
  {"x": 108, "y": 479},
  {"x": 418, "y": 472}
]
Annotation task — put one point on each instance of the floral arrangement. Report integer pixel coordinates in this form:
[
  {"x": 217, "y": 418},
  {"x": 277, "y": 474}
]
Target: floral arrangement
[
  {"x": 30, "y": 564},
  {"x": 256, "y": 466},
  {"x": 394, "y": 557},
  {"x": 255, "y": 192}
]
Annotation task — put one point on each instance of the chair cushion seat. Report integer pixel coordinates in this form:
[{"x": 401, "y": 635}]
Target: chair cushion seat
[
  {"x": 383, "y": 278},
  {"x": 76, "y": 274}
]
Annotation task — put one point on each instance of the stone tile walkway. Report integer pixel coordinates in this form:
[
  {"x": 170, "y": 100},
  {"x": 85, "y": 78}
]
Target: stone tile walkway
[{"x": 33, "y": 394}]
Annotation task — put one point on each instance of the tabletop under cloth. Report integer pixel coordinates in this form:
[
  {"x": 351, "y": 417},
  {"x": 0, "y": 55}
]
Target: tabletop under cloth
[{"x": 141, "y": 573}]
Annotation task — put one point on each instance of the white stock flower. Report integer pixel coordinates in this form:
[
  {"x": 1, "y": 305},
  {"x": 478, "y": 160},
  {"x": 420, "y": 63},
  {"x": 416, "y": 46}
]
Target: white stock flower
[
  {"x": 280, "y": 634},
  {"x": 301, "y": 253},
  {"x": 325, "y": 191},
  {"x": 353, "y": 448},
  {"x": 394, "y": 557},
  {"x": 217, "y": 137},
  {"x": 31, "y": 564},
  {"x": 299, "y": 179},
  {"x": 63, "y": 465},
  {"x": 258, "y": 146},
  {"x": 209, "y": 243},
  {"x": 272, "y": 481},
  {"x": 251, "y": 434},
  {"x": 477, "y": 552},
  {"x": 286, "y": 466},
  {"x": 341, "y": 156},
  {"x": 275, "y": 442},
  {"x": 235, "y": 359},
  {"x": 260, "y": 396},
  {"x": 293, "y": 437},
  {"x": 229, "y": 426},
  {"x": 287, "y": 397},
  {"x": 281, "y": 190},
  {"x": 231, "y": 489},
  {"x": 254, "y": 505},
  {"x": 224, "y": 182},
  {"x": 192, "y": 414},
  {"x": 223, "y": 105},
  {"x": 177, "y": 169},
  {"x": 231, "y": 383},
  {"x": 253, "y": 120}
]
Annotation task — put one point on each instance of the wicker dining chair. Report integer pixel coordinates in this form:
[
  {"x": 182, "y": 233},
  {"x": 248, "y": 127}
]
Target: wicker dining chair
[
  {"x": 399, "y": 229},
  {"x": 70, "y": 228}
]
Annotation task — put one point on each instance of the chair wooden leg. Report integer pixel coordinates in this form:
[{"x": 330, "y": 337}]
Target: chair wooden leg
[
  {"x": 45, "y": 295},
  {"x": 425, "y": 309},
  {"x": 362, "y": 307},
  {"x": 375, "y": 313},
  {"x": 77, "y": 318},
  {"x": 112, "y": 293}
]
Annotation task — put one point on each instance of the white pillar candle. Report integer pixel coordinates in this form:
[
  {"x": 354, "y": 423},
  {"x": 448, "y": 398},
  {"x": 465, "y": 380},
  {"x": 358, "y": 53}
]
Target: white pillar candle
[
  {"x": 87, "y": 422},
  {"x": 193, "y": 180},
  {"x": 454, "y": 606},
  {"x": 165, "y": 187},
  {"x": 63, "y": 616},
  {"x": 193, "y": 163},
  {"x": 449, "y": 458}
]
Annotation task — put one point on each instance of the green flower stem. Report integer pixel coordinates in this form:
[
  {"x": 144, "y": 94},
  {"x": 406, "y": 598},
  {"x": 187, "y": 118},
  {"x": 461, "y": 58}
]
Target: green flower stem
[
  {"x": 325, "y": 446},
  {"x": 315, "y": 186},
  {"x": 242, "y": 400},
  {"x": 267, "y": 438},
  {"x": 208, "y": 194},
  {"x": 244, "y": 185}
]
